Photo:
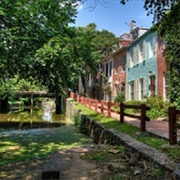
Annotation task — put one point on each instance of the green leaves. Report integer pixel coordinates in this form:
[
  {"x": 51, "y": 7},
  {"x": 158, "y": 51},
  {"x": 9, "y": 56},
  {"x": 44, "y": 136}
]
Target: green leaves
[
  {"x": 30, "y": 34},
  {"x": 36, "y": 43},
  {"x": 15, "y": 84},
  {"x": 26, "y": 26},
  {"x": 169, "y": 28}
]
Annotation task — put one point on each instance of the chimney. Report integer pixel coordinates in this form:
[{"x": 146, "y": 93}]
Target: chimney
[{"x": 132, "y": 25}]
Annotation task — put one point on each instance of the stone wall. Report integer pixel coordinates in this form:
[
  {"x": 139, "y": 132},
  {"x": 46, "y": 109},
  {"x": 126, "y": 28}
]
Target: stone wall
[{"x": 96, "y": 131}]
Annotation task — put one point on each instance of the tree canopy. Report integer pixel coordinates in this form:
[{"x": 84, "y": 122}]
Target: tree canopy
[
  {"x": 28, "y": 30},
  {"x": 25, "y": 26},
  {"x": 38, "y": 45}
]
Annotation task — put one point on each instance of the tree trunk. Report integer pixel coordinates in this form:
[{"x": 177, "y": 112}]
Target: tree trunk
[
  {"x": 59, "y": 108},
  {"x": 4, "y": 105}
]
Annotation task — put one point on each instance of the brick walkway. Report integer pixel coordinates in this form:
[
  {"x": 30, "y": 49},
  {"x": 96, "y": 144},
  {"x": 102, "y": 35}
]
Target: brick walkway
[{"x": 159, "y": 128}]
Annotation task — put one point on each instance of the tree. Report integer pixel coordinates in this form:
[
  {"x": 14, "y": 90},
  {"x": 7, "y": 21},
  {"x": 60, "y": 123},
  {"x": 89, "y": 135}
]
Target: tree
[
  {"x": 94, "y": 44},
  {"x": 55, "y": 63},
  {"x": 36, "y": 43},
  {"x": 98, "y": 42},
  {"x": 25, "y": 26}
]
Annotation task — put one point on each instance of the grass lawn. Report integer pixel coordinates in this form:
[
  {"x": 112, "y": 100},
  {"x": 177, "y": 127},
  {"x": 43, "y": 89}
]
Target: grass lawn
[{"x": 16, "y": 146}]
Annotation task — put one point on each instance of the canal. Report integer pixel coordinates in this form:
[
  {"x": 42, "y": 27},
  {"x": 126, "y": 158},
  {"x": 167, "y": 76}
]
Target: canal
[
  {"x": 41, "y": 116},
  {"x": 25, "y": 120}
]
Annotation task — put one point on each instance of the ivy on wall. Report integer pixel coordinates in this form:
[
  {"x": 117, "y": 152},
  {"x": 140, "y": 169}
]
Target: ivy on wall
[{"x": 169, "y": 28}]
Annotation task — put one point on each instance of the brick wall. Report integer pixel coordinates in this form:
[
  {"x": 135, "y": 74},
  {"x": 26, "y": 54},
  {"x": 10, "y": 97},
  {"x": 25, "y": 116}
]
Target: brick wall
[
  {"x": 161, "y": 67},
  {"x": 121, "y": 75}
]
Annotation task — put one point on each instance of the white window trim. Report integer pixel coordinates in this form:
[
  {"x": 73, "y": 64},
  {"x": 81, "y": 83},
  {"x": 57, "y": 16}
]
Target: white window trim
[{"x": 164, "y": 89}]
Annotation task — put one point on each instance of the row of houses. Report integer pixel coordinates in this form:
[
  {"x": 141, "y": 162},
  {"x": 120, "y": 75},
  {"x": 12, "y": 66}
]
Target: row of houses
[{"x": 136, "y": 67}]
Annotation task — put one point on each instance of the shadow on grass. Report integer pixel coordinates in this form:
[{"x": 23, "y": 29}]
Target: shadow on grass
[{"x": 18, "y": 146}]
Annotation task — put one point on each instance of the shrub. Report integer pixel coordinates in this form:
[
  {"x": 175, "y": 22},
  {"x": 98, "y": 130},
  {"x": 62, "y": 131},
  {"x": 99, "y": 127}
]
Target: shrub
[
  {"x": 120, "y": 98},
  {"x": 133, "y": 102},
  {"x": 159, "y": 107}
]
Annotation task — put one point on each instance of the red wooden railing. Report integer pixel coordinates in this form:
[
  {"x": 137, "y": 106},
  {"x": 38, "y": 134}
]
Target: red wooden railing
[
  {"x": 105, "y": 108},
  {"x": 142, "y": 117}
]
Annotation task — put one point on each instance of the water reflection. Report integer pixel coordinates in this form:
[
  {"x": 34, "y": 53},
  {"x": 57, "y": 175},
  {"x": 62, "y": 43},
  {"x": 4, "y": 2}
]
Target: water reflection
[
  {"x": 48, "y": 107},
  {"x": 26, "y": 120},
  {"x": 36, "y": 116}
]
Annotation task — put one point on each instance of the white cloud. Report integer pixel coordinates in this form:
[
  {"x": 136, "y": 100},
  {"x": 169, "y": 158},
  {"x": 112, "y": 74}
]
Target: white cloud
[{"x": 79, "y": 6}]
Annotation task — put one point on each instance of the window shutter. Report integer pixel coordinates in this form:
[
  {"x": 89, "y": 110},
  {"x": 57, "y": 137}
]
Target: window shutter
[
  {"x": 136, "y": 55},
  {"x": 137, "y": 85},
  {"x": 135, "y": 90},
  {"x": 144, "y": 50},
  {"x": 128, "y": 60},
  {"x": 144, "y": 86},
  {"x": 137, "y": 52},
  {"x": 128, "y": 92}
]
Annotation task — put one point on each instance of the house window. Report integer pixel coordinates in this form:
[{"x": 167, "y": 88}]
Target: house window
[
  {"x": 164, "y": 44},
  {"x": 142, "y": 88},
  {"x": 122, "y": 87},
  {"x": 135, "y": 56},
  {"x": 110, "y": 68},
  {"x": 142, "y": 51},
  {"x": 152, "y": 84},
  {"x": 116, "y": 89},
  {"x": 166, "y": 86},
  {"x": 116, "y": 66},
  {"x": 123, "y": 63},
  {"x": 153, "y": 46},
  {"x": 131, "y": 88},
  {"x": 130, "y": 58},
  {"x": 107, "y": 70}
]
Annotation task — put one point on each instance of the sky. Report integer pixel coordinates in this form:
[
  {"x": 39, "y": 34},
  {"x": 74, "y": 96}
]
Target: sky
[{"x": 112, "y": 16}]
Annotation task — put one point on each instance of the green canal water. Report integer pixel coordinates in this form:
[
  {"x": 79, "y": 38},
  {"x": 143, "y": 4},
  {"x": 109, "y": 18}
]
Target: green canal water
[
  {"x": 34, "y": 120},
  {"x": 26, "y": 116}
]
